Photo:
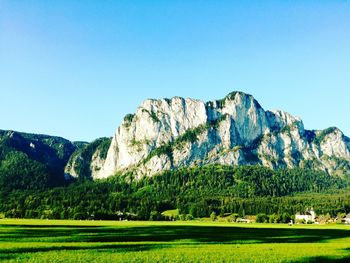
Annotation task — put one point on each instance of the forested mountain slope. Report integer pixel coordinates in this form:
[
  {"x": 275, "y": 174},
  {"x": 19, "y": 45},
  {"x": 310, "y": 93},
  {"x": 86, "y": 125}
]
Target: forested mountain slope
[
  {"x": 245, "y": 190},
  {"x": 32, "y": 161}
]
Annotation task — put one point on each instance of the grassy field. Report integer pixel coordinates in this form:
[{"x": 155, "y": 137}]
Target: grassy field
[{"x": 106, "y": 241}]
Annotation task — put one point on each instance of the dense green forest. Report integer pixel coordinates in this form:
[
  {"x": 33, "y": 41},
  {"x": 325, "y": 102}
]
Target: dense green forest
[
  {"x": 197, "y": 191},
  {"x": 32, "y": 185},
  {"x": 33, "y": 161}
]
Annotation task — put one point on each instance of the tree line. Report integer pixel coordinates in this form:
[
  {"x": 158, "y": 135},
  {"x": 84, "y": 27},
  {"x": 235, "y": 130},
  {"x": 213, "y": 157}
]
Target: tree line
[{"x": 195, "y": 191}]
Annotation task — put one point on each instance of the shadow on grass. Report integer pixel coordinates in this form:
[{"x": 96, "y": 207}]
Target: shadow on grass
[
  {"x": 47, "y": 226},
  {"x": 184, "y": 234},
  {"x": 168, "y": 233},
  {"x": 325, "y": 259},
  {"x": 7, "y": 257},
  {"x": 116, "y": 248}
]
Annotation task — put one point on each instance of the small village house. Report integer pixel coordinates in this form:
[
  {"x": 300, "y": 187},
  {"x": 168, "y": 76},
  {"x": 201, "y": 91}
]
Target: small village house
[
  {"x": 308, "y": 216},
  {"x": 346, "y": 219}
]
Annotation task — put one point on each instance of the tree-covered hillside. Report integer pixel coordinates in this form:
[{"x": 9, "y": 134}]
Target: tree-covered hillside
[
  {"x": 33, "y": 185},
  {"x": 30, "y": 161},
  {"x": 197, "y": 191}
]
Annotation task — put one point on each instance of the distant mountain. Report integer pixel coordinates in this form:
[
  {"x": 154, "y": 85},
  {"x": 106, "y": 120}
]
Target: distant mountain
[
  {"x": 172, "y": 133},
  {"x": 223, "y": 156},
  {"x": 168, "y": 134},
  {"x": 35, "y": 161},
  {"x": 30, "y": 161}
]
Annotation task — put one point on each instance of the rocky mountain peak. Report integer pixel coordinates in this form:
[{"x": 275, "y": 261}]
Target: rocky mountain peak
[{"x": 171, "y": 133}]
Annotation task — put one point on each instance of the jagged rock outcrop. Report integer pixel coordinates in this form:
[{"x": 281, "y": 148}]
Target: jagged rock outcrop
[
  {"x": 87, "y": 161},
  {"x": 171, "y": 133}
]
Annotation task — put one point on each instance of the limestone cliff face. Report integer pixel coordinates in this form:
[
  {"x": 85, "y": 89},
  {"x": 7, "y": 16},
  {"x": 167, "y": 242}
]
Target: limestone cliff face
[
  {"x": 87, "y": 161},
  {"x": 171, "y": 133}
]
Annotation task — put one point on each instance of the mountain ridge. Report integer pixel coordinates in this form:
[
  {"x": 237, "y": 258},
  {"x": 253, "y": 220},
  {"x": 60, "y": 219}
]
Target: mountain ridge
[
  {"x": 168, "y": 134},
  {"x": 33, "y": 161}
]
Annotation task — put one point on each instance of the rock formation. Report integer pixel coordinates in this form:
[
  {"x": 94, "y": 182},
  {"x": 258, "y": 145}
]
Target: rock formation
[{"x": 171, "y": 133}]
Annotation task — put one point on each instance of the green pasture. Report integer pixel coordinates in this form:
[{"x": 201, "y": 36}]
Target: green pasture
[{"x": 107, "y": 241}]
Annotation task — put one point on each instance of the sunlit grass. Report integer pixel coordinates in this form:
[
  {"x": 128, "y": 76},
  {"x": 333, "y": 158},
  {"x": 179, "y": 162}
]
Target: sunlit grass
[{"x": 110, "y": 241}]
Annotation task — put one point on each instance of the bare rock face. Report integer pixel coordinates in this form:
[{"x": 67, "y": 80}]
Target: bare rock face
[
  {"x": 87, "y": 161},
  {"x": 171, "y": 133}
]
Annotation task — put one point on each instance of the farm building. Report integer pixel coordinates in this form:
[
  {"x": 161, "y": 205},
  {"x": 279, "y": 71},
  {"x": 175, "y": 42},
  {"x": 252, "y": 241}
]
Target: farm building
[
  {"x": 346, "y": 219},
  {"x": 308, "y": 216}
]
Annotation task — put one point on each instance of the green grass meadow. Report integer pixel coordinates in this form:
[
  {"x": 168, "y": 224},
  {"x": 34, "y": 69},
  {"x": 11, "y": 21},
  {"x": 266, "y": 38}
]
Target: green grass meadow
[{"x": 107, "y": 241}]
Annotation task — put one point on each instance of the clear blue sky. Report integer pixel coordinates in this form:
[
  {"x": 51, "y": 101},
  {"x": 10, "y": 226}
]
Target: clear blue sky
[{"x": 75, "y": 68}]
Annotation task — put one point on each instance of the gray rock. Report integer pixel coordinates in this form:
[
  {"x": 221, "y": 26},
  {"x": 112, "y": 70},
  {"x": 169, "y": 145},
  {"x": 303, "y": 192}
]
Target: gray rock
[{"x": 171, "y": 133}]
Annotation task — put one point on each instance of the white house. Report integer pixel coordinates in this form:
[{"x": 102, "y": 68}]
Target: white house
[
  {"x": 308, "y": 216},
  {"x": 347, "y": 219}
]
